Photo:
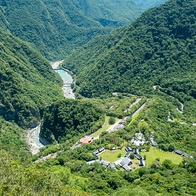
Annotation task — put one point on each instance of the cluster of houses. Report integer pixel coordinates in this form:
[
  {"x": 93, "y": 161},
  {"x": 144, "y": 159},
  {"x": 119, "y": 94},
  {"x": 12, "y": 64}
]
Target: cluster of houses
[
  {"x": 96, "y": 152},
  {"x": 102, "y": 162},
  {"x": 124, "y": 162},
  {"x": 139, "y": 140}
]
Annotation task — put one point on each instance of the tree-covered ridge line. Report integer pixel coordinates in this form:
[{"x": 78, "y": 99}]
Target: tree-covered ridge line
[
  {"x": 66, "y": 119},
  {"x": 28, "y": 82},
  {"x": 57, "y": 27},
  {"x": 157, "y": 49}
]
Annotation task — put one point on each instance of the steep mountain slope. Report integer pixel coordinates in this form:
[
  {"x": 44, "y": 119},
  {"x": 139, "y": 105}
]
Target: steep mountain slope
[
  {"x": 66, "y": 119},
  {"x": 54, "y": 27},
  {"x": 27, "y": 82},
  {"x": 158, "y": 49},
  {"x": 58, "y": 26},
  {"x": 145, "y": 4},
  {"x": 109, "y": 13}
]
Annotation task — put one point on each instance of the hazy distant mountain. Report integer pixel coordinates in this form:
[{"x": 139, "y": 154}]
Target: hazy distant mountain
[
  {"x": 145, "y": 4},
  {"x": 109, "y": 12}
]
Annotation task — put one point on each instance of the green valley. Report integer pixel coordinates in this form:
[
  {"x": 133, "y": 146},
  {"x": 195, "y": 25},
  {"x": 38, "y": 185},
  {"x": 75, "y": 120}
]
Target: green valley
[
  {"x": 125, "y": 125},
  {"x": 57, "y": 27}
]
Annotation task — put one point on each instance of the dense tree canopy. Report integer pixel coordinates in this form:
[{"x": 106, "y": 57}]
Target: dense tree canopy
[
  {"x": 27, "y": 81},
  {"x": 57, "y": 27},
  {"x": 69, "y": 118},
  {"x": 157, "y": 49},
  {"x": 155, "y": 55}
]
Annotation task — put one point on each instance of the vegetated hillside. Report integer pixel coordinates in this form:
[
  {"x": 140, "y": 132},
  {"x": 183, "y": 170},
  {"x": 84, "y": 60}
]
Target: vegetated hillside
[
  {"x": 109, "y": 12},
  {"x": 145, "y": 4},
  {"x": 68, "y": 118},
  {"x": 159, "y": 48},
  {"x": 173, "y": 177},
  {"x": 27, "y": 81},
  {"x": 54, "y": 27}
]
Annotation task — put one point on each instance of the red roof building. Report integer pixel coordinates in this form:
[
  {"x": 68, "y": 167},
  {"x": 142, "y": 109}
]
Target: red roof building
[{"x": 86, "y": 140}]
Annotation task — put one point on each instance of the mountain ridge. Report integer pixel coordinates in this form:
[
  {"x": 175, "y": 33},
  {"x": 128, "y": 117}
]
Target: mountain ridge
[
  {"x": 140, "y": 53},
  {"x": 28, "y": 82},
  {"x": 57, "y": 27}
]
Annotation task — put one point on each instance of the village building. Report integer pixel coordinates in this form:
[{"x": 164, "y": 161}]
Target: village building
[
  {"x": 178, "y": 152},
  {"x": 127, "y": 148},
  {"x": 86, "y": 140},
  {"x": 138, "y": 139},
  {"x": 101, "y": 149},
  {"x": 136, "y": 151},
  {"x": 125, "y": 161},
  {"x": 138, "y": 156},
  {"x": 126, "y": 167},
  {"x": 128, "y": 153},
  {"x": 112, "y": 166},
  {"x": 141, "y": 162},
  {"x": 184, "y": 154},
  {"x": 105, "y": 163}
]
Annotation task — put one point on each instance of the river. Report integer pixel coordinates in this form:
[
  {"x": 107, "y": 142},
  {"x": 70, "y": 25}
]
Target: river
[
  {"x": 67, "y": 81},
  {"x": 33, "y": 138}
]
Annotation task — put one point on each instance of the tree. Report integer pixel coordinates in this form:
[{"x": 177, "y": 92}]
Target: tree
[
  {"x": 111, "y": 120},
  {"x": 171, "y": 148}
]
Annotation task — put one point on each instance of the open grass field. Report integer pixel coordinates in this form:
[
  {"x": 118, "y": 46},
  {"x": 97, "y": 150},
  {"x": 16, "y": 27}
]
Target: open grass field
[
  {"x": 133, "y": 119},
  {"x": 156, "y": 153},
  {"x": 103, "y": 128},
  {"x": 111, "y": 155}
]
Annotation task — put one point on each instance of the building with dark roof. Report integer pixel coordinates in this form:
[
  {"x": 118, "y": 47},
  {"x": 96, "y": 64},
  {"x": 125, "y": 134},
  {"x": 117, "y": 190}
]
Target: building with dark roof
[
  {"x": 101, "y": 149},
  {"x": 128, "y": 153},
  {"x": 125, "y": 161},
  {"x": 127, "y": 148},
  {"x": 138, "y": 156},
  {"x": 141, "y": 162},
  {"x": 126, "y": 167},
  {"x": 136, "y": 151},
  {"x": 178, "y": 152}
]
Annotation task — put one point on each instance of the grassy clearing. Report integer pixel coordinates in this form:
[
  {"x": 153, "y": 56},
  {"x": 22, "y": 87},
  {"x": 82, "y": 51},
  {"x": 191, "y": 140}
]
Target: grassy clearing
[
  {"x": 104, "y": 127},
  {"x": 156, "y": 153},
  {"x": 111, "y": 155},
  {"x": 133, "y": 119}
]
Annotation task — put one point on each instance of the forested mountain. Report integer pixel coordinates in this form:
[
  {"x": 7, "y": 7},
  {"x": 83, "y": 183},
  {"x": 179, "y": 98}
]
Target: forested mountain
[
  {"x": 58, "y": 26},
  {"x": 27, "y": 80},
  {"x": 69, "y": 118},
  {"x": 53, "y": 27},
  {"x": 145, "y": 4},
  {"x": 109, "y": 13},
  {"x": 159, "y": 48}
]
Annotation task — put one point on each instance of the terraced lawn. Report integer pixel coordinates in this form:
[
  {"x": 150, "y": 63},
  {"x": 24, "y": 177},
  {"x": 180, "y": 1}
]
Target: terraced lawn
[
  {"x": 112, "y": 155},
  {"x": 156, "y": 153}
]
